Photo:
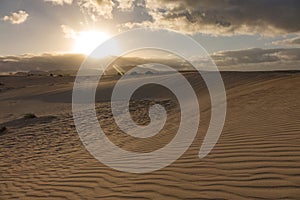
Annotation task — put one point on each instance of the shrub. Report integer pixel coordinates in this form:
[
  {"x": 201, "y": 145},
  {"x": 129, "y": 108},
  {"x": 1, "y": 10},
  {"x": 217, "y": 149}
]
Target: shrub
[
  {"x": 29, "y": 116},
  {"x": 3, "y": 129}
]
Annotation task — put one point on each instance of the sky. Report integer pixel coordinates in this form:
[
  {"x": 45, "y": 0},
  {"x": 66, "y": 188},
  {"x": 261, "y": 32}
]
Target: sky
[{"x": 239, "y": 35}]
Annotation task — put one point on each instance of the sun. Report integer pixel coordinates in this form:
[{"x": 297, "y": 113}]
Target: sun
[{"x": 87, "y": 41}]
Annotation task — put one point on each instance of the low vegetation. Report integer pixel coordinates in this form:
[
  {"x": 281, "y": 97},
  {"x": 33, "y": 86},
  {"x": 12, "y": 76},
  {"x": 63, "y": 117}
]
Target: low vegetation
[
  {"x": 29, "y": 116},
  {"x": 3, "y": 130}
]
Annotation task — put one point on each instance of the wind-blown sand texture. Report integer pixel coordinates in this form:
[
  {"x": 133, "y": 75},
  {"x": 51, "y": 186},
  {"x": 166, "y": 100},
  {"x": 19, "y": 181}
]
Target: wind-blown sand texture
[{"x": 256, "y": 157}]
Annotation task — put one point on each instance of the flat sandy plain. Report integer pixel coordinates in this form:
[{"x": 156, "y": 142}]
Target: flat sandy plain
[{"x": 256, "y": 157}]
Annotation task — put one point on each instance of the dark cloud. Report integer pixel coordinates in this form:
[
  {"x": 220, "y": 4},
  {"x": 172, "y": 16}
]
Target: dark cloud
[
  {"x": 225, "y": 16},
  {"x": 258, "y": 59},
  {"x": 136, "y": 14}
]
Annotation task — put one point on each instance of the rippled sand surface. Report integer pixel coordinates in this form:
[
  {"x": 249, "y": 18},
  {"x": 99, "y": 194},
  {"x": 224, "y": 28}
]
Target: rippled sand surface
[{"x": 256, "y": 157}]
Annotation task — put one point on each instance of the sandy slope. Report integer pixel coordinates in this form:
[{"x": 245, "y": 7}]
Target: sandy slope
[{"x": 257, "y": 156}]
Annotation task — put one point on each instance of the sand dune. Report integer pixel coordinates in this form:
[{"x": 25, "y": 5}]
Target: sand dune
[{"x": 256, "y": 157}]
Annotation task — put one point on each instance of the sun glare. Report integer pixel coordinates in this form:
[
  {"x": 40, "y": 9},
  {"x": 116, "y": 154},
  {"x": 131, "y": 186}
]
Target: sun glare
[{"x": 87, "y": 41}]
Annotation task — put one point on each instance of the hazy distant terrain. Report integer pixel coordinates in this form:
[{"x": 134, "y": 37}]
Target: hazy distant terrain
[{"x": 257, "y": 155}]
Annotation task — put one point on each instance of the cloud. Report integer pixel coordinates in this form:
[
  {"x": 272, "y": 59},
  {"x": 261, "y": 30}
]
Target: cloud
[
  {"x": 258, "y": 59},
  {"x": 288, "y": 42},
  {"x": 16, "y": 17},
  {"x": 125, "y": 4},
  {"x": 96, "y": 8},
  {"x": 59, "y": 2},
  {"x": 220, "y": 17},
  {"x": 136, "y": 13},
  {"x": 68, "y": 32},
  {"x": 216, "y": 17},
  {"x": 44, "y": 62}
]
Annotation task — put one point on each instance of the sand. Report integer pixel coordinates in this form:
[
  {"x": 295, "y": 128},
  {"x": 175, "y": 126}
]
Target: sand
[{"x": 256, "y": 157}]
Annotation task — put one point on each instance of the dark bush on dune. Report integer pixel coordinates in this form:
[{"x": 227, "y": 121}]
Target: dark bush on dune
[
  {"x": 149, "y": 73},
  {"x": 3, "y": 130},
  {"x": 29, "y": 116}
]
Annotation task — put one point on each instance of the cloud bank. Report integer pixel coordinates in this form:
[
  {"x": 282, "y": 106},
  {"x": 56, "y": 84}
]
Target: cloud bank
[
  {"x": 241, "y": 60},
  {"x": 43, "y": 62},
  {"x": 257, "y": 59},
  {"x": 228, "y": 17},
  {"x": 216, "y": 17}
]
